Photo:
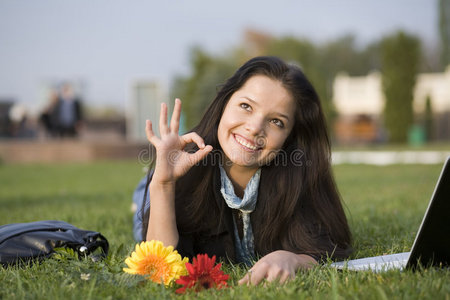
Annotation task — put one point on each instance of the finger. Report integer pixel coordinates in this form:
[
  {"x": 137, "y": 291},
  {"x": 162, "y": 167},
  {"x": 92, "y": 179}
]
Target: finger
[
  {"x": 193, "y": 137},
  {"x": 256, "y": 277},
  {"x": 286, "y": 276},
  {"x": 245, "y": 279},
  {"x": 273, "y": 275},
  {"x": 281, "y": 277},
  {"x": 175, "y": 120},
  {"x": 149, "y": 132},
  {"x": 163, "y": 129},
  {"x": 200, "y": 154}
]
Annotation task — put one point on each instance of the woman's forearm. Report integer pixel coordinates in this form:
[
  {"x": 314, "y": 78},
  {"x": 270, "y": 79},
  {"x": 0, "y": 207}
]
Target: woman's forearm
[{"x": 162, "y": 224}]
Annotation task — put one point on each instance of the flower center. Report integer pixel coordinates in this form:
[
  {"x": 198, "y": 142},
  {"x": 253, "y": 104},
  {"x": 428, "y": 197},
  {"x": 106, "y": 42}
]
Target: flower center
[
  {"x": 205, "y": 281},
  {"x": 155, "y": 267}
]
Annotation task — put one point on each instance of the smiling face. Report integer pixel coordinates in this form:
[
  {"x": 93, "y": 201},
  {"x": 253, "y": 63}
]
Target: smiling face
[{"x": 256, "y": 122}]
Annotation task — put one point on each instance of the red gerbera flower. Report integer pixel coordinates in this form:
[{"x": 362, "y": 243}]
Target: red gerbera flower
[{"x": 203, "y": 275}]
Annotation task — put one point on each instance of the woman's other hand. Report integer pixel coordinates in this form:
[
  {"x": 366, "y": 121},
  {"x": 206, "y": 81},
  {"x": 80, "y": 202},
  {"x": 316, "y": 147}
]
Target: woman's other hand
[
  {"x": 172, "y": 161},
  {"x": 279, "y": 265}
]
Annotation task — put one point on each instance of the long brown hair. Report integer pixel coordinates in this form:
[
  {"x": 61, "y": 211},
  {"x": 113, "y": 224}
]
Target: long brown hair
[{"x": 298, "y": 202}]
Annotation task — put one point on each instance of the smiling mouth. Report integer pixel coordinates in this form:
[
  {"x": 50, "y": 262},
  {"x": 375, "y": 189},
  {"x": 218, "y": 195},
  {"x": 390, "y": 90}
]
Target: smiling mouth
[{"x": 244, "y": 143}]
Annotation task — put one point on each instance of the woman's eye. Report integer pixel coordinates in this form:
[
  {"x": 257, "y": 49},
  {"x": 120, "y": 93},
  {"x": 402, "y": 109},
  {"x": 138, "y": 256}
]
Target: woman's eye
[
  {"x": 278, "y": 122},
  {"x": 245, "y": 106}
]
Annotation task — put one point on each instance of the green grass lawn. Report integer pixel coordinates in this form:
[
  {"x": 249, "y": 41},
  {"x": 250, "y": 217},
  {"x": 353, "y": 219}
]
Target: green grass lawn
[{"x": 384, "y": 204}]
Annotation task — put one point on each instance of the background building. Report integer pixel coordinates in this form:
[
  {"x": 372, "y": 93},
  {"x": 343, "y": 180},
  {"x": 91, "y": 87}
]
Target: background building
[
  {"x": 144, "y": 104},
  {"x": 359, "y": 102}
]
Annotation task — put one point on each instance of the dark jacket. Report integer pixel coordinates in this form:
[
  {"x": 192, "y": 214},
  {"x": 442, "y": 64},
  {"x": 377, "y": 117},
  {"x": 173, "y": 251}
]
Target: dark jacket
[{"x": 56, "y": 112}]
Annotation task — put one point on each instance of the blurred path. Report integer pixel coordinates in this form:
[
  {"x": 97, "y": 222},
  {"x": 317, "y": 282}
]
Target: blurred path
[
  {"x": 71, "y": 151},
  {"x": 22, "y": 151},
  {"x": 389, "y": 157}
]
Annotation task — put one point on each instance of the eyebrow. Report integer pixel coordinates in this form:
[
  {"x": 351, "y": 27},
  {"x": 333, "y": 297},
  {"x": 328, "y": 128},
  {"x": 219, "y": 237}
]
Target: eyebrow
[{"x": 253, "y": 101}]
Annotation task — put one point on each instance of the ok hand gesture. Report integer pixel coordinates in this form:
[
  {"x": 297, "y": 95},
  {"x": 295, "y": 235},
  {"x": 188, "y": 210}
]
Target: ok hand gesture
[{"x": 172, "y": 161}]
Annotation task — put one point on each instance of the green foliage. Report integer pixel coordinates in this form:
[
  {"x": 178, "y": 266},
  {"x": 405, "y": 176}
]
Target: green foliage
[
  {"x": 444, "y": 31},
  {"x": 428, "y": 119},
  {"x": 400, "y": 61},
  {"x": 384, "y": 205},
  {"x": 319, "y": 62},
  {"x": 199, "y": 89},
  {"x": 308, "y": 57}
]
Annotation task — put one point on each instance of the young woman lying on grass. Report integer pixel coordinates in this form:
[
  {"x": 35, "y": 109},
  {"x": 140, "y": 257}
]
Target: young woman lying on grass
[{"x": 251, "y": 181}]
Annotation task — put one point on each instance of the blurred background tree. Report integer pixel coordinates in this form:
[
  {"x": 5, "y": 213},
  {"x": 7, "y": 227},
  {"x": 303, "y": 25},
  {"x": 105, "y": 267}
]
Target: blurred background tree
[
  {"x": 428, "y": 119},
  {"x": 320, "y": 62},
  {"x": 400, "y": 57},
  {"x": 444, "y": 31},
  {"x": 197, "y": 89}
]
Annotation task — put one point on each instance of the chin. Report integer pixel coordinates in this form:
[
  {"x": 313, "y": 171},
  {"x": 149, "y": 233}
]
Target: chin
[{"x": 248, "y": 163}]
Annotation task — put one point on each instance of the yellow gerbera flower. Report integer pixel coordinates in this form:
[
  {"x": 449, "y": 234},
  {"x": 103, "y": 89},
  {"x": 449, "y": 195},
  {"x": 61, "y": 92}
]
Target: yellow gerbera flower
[{"x": 158, "y": 263}]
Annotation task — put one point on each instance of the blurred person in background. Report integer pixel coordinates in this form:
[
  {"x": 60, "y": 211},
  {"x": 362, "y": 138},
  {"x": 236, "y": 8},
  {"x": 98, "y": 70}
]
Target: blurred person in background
[
  {"x": 18, "y": 122},
  {"x": 66, "y": 114},
  {"x": 47, "y": 117}
]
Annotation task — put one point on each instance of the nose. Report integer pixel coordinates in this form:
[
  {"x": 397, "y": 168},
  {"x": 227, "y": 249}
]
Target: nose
[{"x": 255, "y": 125}]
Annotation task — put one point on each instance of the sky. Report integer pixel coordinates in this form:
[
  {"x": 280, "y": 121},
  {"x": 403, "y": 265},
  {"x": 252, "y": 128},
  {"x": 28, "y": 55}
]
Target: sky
[{"x": 111, "y": 44}]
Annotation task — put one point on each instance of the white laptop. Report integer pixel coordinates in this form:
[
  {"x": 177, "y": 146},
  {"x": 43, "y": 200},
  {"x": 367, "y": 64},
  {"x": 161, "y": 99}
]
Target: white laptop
[{"x": 432, "y": 243}]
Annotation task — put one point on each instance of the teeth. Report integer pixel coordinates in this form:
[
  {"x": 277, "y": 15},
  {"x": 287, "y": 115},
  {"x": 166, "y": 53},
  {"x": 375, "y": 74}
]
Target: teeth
[{"x": 245, "y": 144}]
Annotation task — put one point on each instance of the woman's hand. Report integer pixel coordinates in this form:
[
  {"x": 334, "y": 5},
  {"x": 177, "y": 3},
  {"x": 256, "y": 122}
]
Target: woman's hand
[
  {"x": 172, "y": 161},
  {"x": 278, "y": 265}
]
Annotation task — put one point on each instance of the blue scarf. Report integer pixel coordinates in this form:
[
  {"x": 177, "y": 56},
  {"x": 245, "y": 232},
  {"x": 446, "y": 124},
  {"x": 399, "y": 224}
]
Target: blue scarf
[{"x": 245, "y": 250}]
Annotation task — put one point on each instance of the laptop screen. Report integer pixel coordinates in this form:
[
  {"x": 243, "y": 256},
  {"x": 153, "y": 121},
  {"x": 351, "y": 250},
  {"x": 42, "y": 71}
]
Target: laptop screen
[{"x": 432, "y": 244}]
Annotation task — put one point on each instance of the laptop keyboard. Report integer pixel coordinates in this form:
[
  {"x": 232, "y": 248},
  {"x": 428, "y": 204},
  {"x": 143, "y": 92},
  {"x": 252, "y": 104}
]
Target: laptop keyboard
[{"x": 376, "y": 263}]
